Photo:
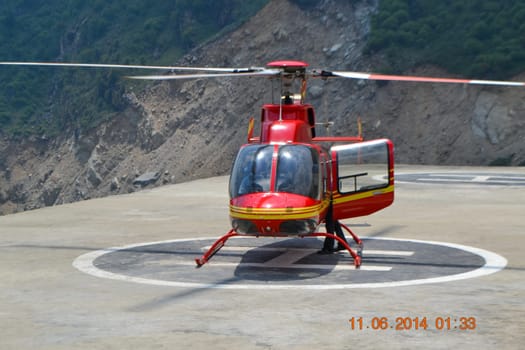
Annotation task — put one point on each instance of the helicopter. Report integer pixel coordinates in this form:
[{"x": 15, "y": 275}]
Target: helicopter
[{"x": 288, "y": 181}]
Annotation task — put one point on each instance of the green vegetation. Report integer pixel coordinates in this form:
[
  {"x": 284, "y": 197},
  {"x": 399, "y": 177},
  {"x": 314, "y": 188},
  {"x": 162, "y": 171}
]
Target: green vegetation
[
  {"x": 49, "y": 100},
  {"x": 475, "y": 38},
  {"x": 305, "y": 4}
]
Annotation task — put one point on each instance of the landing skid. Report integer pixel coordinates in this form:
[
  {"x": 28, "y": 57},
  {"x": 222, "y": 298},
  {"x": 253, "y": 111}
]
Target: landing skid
[
  {"x": 357, "y": 256},
  {"x": 356, "y": 239},
  {"x": 215, "y": 248}
]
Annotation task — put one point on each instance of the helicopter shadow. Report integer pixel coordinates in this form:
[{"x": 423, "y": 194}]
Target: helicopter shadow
[
  {"x": 295, "y": 258},
  {"x": 287, "y": 260}
]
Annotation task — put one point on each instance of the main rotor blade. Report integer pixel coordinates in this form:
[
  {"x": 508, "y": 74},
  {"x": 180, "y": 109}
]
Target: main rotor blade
[
  {"x": 266, "y": 72},
  {"x": 372, "y": 76},
  {"x": 130, "y": 66}
]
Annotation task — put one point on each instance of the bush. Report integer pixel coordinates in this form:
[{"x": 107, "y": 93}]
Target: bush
[
  {"x": 477, "y": 38},
  {"x": 120, "y": 31}
]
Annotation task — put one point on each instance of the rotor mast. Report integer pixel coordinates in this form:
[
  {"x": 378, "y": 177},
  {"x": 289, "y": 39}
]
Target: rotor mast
[{"x": 291, "y": 72}]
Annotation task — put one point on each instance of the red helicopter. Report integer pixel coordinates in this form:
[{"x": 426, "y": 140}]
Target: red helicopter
[{"x": 286, "y": 182}]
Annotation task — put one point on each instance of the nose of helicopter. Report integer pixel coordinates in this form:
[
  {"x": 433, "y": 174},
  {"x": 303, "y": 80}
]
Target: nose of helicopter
[{"x": 275, "y": 214}]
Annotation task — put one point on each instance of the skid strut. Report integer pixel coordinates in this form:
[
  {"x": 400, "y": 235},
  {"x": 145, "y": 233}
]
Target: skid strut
[
  {"x": 357, "y": 240},
  {"x": 215, "y": 248},
  {"x": 355, "y": 256}
]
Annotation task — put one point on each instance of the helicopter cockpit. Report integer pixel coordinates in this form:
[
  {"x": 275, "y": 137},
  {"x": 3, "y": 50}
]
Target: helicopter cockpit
[{"x": 295, "y": 170}]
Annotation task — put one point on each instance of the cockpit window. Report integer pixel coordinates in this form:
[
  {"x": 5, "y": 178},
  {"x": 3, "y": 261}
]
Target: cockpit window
[
  {"x": 298, "y": 171},
  {"x": 252, "y": 170}
]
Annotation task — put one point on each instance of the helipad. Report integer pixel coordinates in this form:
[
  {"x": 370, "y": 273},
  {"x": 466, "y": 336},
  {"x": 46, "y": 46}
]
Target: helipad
[
  {"x": 437, "y": 254},
  {"x": 268, "y": 263},
  {"x": 471, "y": 178}
]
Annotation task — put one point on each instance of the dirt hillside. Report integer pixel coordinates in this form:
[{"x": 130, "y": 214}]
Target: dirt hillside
[{"x": 177, "y": 131}]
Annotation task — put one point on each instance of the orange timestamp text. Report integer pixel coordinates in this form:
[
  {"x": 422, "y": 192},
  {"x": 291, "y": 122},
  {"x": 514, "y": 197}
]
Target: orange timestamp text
[{"x": 440, "y": 323}]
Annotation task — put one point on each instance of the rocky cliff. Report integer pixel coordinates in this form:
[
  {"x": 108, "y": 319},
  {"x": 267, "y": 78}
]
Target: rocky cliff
[{"x": 177, "y": 131}]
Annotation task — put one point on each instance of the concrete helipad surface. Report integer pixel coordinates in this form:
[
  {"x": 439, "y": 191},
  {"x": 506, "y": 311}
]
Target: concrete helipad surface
[{"x": 443, "y": 267}]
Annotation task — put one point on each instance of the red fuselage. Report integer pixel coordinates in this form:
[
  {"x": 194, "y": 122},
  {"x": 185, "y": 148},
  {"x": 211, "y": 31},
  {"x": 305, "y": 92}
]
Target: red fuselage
[
  {"x": 278, "y": 182},
  {"x": 284, "y": 181}
]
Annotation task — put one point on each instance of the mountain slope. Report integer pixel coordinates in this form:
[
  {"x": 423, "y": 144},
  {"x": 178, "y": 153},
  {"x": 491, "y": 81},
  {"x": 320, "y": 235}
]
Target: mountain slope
[
  {"x": 44, "y": 101},
  {"x": 189, "y": 129}
]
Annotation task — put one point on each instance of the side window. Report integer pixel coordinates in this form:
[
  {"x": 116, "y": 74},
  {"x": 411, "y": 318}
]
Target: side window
[{"x": 362, "y": 166}]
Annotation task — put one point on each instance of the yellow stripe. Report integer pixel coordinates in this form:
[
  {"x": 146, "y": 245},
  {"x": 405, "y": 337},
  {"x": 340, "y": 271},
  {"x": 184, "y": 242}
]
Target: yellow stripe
[
  {"x": 343, "y": 198},
  {"x": 271, "y": 217},
  {"x": 250, "y": 127},
  {"x": 277, "y": 213}
]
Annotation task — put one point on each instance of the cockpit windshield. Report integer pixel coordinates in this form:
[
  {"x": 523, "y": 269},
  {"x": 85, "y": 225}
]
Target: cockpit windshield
[
  {"x": 252, "y": 170},
  {"x": 297, "y": 171}
]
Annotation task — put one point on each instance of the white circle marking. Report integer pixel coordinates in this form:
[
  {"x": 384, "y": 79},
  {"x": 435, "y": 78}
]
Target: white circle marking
[{"x": 493, "y": 264}]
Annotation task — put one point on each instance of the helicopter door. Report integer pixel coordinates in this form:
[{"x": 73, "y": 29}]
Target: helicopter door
[{"x": 362, "y": 178}]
